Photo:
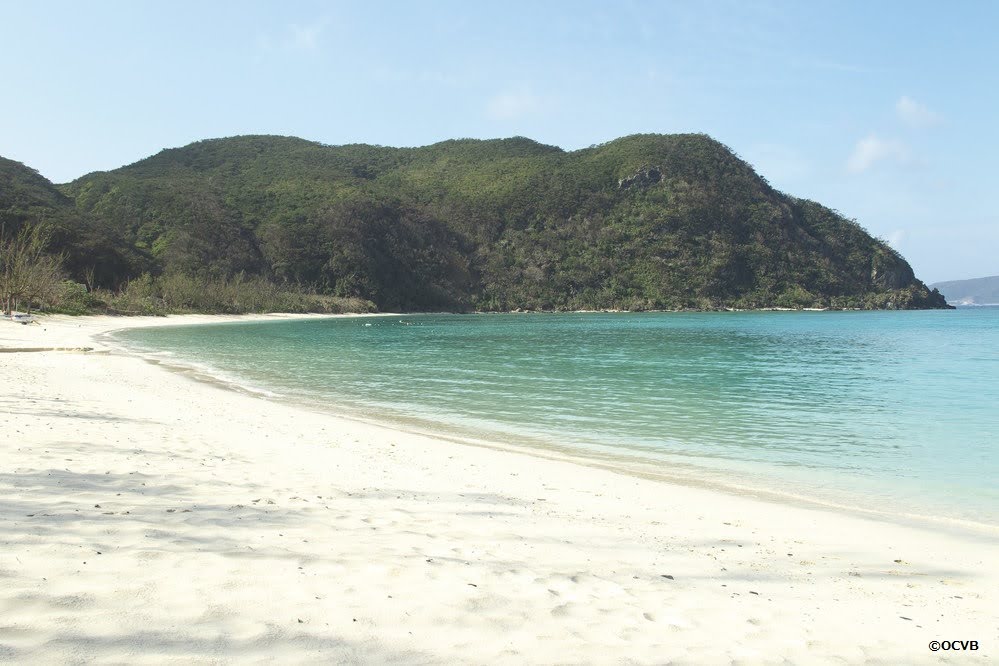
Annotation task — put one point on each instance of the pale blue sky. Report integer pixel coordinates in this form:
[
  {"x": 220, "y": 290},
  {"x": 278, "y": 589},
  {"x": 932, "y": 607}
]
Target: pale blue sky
[{"x": 885, "y": 111}]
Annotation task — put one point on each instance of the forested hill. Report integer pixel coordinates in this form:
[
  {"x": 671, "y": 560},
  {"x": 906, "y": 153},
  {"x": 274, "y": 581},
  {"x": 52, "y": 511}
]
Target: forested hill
[
  {"x": 86, "y": 241},
  {"x": 642, "y": 222},
  {"x": 977, "y": 291}
]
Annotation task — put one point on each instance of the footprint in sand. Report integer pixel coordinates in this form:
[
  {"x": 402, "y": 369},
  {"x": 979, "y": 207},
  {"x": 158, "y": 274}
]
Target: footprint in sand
[{"x": 562, "y": 610}]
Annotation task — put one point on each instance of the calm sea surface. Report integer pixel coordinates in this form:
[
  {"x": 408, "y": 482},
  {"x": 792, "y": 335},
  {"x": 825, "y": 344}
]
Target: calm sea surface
[{"x": 892, "y": 411}]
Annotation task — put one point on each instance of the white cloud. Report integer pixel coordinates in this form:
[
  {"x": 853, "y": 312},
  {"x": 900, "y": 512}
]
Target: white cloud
[
  {"x": 513, "y": 104},
  {"x": 872, "y": 149},
  {"x": 914, "y": 114}
]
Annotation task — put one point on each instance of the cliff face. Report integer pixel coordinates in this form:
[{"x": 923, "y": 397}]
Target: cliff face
[
  {"x": 643, "y": 222},
  {"x": 891, "y": 272}
]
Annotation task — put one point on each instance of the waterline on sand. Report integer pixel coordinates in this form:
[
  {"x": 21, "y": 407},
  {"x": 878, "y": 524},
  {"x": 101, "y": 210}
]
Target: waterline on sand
[{"x": 840, "y": 408}]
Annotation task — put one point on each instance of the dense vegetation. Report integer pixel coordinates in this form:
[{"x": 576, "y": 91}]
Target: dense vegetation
[{"x": 643, "y": 222}]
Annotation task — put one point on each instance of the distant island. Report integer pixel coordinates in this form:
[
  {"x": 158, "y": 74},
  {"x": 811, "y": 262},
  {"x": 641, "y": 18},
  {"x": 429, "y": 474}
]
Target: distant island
[
  {"x": 253, "y": 223},
  {"x": 977, "y": 291}
]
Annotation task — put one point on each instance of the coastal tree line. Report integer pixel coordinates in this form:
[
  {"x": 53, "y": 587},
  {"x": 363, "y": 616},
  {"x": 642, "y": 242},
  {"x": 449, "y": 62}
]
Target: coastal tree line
[{"x": 29, "y": 274}]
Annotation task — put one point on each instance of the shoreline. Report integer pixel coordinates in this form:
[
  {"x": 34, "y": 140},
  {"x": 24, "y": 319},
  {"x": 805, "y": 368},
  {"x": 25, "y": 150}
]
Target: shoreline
[
  {"x": 261, "y": 529},
  {"x": 669, "y": 468}
]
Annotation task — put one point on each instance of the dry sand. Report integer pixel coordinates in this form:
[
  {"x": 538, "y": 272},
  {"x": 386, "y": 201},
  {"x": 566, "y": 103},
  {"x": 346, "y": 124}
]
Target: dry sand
[{"x": 146, "y": 517}]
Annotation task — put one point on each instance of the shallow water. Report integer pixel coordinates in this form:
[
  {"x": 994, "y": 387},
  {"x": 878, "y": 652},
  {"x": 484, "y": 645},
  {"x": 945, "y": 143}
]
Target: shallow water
[{"x": 897, "y": 411}]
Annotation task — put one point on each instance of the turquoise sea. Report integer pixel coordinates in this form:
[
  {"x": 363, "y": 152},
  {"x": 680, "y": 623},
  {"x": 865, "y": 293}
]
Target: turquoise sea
[{"x": 893, "y": 412}]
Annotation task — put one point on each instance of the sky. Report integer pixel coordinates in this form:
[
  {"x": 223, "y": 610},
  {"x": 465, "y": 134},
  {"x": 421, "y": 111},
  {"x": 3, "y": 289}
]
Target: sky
[{"x": 884, "y": 111}]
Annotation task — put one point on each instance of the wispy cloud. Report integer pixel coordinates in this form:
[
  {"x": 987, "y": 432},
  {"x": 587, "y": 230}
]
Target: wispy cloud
[
  {"x": 896, "y": 238},
  {"x": 513, "y": 104},
  {"x": 306, "y": 37},
  {"x": 914, "y": 114},
  {"x": 872, "y": 149},
  {"x": 835, "y": 66},
  {"x": 437, "y": 77}
]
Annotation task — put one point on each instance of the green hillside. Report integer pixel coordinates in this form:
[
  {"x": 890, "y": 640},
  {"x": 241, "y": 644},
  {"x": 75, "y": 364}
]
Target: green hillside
[
  {"x": 28, "y": 199},
  {"x": 642, "y": 222}
]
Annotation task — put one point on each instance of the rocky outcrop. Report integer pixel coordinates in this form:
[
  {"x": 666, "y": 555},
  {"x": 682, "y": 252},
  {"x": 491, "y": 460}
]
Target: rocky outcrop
[
  {"x": 891, "y": 273},
  {"x": 643, "y": 179}
]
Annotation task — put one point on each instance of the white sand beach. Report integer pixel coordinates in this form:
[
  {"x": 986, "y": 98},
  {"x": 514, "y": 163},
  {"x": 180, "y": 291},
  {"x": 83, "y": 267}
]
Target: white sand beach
[{"x": 148, "y": 517}]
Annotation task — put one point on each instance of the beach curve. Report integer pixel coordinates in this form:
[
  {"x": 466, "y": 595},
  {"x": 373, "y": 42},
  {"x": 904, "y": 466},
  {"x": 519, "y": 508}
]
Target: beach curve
[{"x": 148, "y": 518}]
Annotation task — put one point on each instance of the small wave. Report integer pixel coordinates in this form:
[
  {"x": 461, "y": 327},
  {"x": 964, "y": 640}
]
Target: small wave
[
  {"x": 210, "y": 373},
  {"x": 196, "y": 369}
]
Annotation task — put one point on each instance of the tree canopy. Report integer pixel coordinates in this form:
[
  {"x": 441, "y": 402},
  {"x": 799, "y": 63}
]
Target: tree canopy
[{"x": 642, "y": 222}]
